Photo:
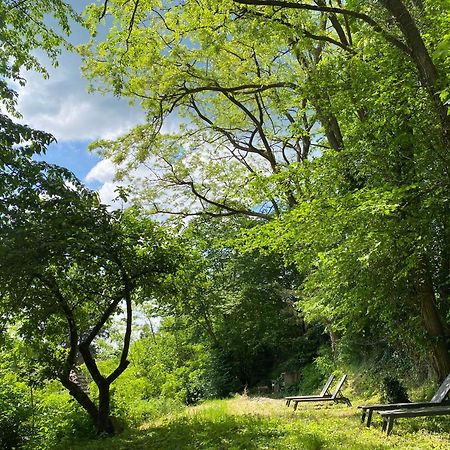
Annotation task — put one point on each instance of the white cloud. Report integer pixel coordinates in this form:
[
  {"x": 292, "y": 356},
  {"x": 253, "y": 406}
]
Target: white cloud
[
  {"x": 62, "y": 106},
  {"x": 104, "y": 171},
  {"x": 108, "y": 192}
]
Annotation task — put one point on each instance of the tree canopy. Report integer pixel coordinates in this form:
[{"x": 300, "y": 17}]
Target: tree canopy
[
  {"x": 311, "y": 141},
  {"x": 329, "y": 117}
]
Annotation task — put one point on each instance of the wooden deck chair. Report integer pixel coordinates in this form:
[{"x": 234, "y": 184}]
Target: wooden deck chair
[
  {"x": 390, "y": 416},
  {"x": 437, "y": 400},
  {"x": 336, "y": 397},
  {"x": 323, "y": 393}
]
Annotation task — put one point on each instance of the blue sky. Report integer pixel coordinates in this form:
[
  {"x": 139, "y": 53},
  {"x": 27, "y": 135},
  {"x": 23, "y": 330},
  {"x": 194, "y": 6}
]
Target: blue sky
[{"x": 62, "y": 106}]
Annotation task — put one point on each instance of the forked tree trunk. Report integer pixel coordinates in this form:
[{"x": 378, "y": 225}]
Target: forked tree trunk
[
  {"x": 101, "y": 418},
  {"x": 440, "y": 357},
  {"x": 99, "y": 415},
  {"x": 104, "y": 424}
]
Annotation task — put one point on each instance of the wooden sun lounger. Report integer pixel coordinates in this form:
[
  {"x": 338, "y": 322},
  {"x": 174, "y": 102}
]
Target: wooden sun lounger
[
  {"x": 323, "y": 393},
  {"x": 390, "y": 416},
  {"x": 336, "y": 397},
  {"x": 437, "y": 400}
]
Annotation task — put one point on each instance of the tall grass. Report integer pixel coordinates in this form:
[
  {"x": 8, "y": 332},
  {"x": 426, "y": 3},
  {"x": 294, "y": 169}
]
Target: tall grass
[{"x": 258, "y": 424}]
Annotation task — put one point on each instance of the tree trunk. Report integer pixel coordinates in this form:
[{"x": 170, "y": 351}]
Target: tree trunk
[
  {"x": 421, "y": 58},
  {"x": 334, "y": 343},
  {"x": 440, "y": 356},
  {"x": 104, "y": 424},
  {"x": 81, "y": 397},
  {"x": 101, "y": 420}
]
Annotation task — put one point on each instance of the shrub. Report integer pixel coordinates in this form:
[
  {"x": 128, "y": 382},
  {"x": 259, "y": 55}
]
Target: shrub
[
  {"x": 59, "y": 419},
  {"x": 15, "y": 411},
  {"x": 393, "y": 391}
]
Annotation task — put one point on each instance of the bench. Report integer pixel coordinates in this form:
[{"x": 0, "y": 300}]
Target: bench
[
  {"x": 439, "y": 399},
  {"x": 390, "y": 416}
]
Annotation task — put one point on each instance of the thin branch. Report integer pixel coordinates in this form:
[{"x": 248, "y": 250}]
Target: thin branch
[
  {"x": 268, "y": 152},
  {"x": 53, "y": 287},
  {"x": 364, "y": 17},
  {"x": 336, "y": 25},
  {"x": 130, "y": 27},
  {"x": 105, "y": 6},
  {"x": 128, "y": 287},
  {"x": 17, "y": 4},
  {"x": 248, "y": 148},
  {"x": 344, "y": 45},
  {"x": 212, "y": 214},
  {"x": 230, "y": 209},
  {"x": 101, "y": 322},
  {"x": 329, "y": 39}
]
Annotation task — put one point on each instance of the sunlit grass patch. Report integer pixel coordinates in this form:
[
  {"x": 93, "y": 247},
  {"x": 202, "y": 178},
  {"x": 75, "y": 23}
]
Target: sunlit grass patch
[{"x": 245, "y": 423}]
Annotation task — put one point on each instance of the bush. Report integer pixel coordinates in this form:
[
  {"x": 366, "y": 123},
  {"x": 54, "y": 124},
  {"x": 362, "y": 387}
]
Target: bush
[
  {"x": 393, "y": 391},
  {"x": 48, "y": 420},
  {"x": 59, "y": 418},
  {"x": 15, "y": 411},
  {"x": 134, "y": 400}
]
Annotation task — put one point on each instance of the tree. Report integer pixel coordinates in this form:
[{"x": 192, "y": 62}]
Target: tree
[
  {"x": 242, "y": 125},
  {"x": 295, "y": 107},
  {"x": 240, "y": 307},
  {"x": 243, "y": 128},
  {"x": 68, "y": 267},
  {"x": 67, "y": 264}
]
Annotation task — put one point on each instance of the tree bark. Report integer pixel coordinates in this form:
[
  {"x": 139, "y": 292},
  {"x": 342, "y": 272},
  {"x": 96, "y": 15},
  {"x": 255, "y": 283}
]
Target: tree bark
[
  {"x": 421, "y": 58},
  {"x": 101, "y": 419},
  {"x": 440, "y": 356},
  {"x": 81, "y": 397},
  {"x": 104, "y": 424},
  {"x": 334, "y": 339}
]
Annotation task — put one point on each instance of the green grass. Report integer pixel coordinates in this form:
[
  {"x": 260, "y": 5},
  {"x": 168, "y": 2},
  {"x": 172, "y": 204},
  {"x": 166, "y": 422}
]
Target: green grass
[{"x": 260, "y": 423}]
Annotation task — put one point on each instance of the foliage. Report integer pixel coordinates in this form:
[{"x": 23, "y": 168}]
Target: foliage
[
  {"x": 67, "y": 267},
  {"x": 23, "y": 32},
  {"x": 174, "y": 365},
  {"x": 394, "y": 391},
  {"x": 59, "y": 419},
  {"x": 257, "y": 91},
  {"x": 325, "y": 124},
  {"x": 34, "y": 414},
  {"x": 24, "y": 36},
  {"x": 254, "y": 292},
  {"x": 323, "y": 119},
  {"x": 135, "y": 395},
  {"x": 15, "y": 407}
]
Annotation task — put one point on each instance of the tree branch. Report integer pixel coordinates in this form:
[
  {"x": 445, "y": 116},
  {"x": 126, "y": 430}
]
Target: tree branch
[
  {"x": 329, "y": 9},
  {"x": 123, "y": 364},
  {"x": 230, "y": 209}
]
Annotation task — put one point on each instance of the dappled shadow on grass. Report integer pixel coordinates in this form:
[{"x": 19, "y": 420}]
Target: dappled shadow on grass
[
  {"x": 205, "y": 432},
  {"x": 240, "y": 424},
  {"x": 211, "y": 430},
  {"x": 432, "y": 425}
]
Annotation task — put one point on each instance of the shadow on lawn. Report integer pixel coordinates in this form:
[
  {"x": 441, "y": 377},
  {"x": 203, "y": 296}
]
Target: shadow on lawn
[
  {"x": 224, "y": 432},
  {"x": 214, "y": 428},
  {"x": 432, "y": 425},
  {"x": 220, "y": 431}
]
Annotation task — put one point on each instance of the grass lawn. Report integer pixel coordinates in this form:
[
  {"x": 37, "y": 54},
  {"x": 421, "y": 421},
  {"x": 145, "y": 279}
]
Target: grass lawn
[{"x": 263, "y": 423}]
